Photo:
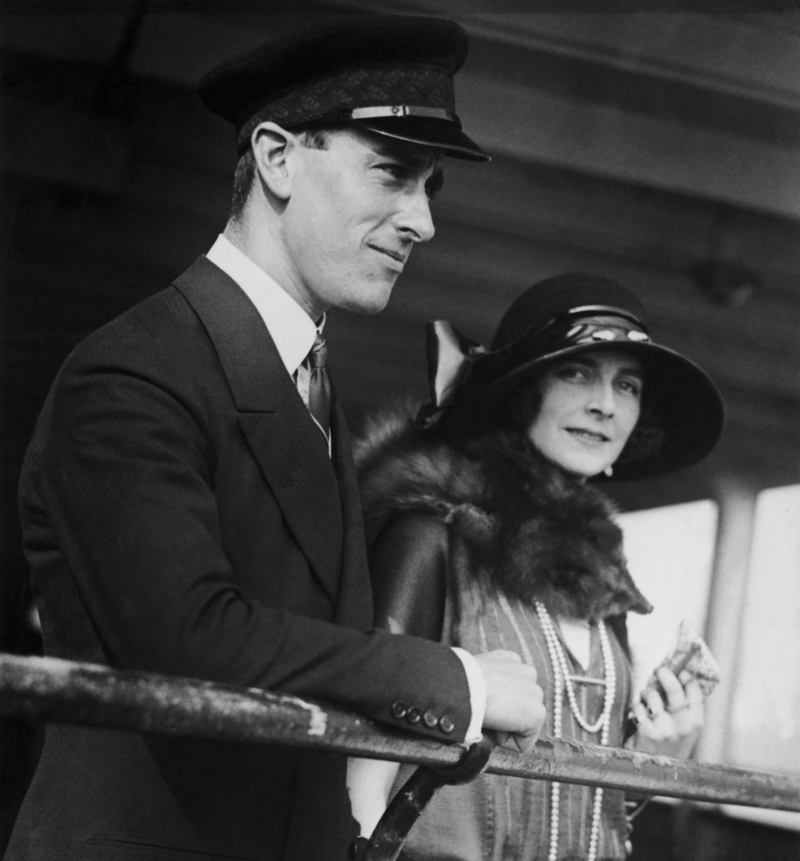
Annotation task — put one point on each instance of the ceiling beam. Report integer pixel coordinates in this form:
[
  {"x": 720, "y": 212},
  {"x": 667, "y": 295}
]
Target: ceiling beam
[{"x": 649, "y": 151}]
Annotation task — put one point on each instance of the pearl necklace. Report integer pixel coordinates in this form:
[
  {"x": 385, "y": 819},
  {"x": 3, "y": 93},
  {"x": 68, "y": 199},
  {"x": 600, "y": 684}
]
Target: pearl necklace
[{"x": 563, "y": 681}]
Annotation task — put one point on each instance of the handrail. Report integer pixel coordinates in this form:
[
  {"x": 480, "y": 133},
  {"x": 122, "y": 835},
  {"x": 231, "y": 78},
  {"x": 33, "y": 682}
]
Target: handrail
[{"x": 73, "y": 692}]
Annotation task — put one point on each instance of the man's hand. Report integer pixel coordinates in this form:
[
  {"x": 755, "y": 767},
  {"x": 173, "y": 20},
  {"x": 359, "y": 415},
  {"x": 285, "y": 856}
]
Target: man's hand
[{"x": 514, "y": 701}]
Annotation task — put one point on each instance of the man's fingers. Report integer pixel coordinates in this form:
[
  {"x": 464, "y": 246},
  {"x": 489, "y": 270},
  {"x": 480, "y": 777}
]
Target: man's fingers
[
  {"x": 513, "y": 697},
  {"x": 518, "y": 742}
]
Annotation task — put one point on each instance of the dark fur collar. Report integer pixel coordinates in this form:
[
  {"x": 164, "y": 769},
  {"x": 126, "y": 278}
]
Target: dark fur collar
[{"x": 542, "y": 534}]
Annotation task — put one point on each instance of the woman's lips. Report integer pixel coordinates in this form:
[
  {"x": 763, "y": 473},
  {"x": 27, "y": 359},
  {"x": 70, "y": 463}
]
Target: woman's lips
[{"x": 588, "y": 435}]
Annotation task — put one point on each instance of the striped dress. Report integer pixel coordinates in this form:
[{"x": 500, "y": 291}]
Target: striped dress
[{"x": 498, "y": 818}]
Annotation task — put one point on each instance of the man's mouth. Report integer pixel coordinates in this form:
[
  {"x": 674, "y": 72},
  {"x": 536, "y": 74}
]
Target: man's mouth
[
  {"x": 399, "y": 256},
  {"x": 588, "y": 435}
]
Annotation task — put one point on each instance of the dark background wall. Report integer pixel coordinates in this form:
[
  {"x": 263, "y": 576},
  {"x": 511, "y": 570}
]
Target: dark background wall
[{"x": 658, "y": 144}]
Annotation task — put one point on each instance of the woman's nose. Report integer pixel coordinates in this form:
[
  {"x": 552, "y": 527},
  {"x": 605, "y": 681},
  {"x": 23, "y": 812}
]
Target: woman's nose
[{"x": 602, "y": 400}]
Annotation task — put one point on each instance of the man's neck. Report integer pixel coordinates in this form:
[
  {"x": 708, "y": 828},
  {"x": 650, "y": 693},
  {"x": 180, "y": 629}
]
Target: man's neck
[{"x": 262, "y": 247}]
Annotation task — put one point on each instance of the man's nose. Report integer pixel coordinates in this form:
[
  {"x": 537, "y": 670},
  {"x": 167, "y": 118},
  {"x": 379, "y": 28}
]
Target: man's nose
[{"x": 416, "y": 221}]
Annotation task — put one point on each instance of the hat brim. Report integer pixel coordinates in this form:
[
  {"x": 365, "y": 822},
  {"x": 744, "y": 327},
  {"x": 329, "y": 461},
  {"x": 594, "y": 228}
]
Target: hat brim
[
  {"x": 686, "y": 402},
  {"x": 427, "y": 132}
]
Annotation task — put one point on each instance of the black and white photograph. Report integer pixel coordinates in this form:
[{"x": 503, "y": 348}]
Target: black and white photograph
[{"x": 400, "y": 430}]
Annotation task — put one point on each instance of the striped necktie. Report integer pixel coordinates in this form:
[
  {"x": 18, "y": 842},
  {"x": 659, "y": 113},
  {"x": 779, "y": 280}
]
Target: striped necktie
[{"x": 319, "y": 385}]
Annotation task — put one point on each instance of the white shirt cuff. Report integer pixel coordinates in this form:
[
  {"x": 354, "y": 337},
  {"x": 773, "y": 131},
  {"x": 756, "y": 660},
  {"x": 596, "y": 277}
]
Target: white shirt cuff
[{"x": 477, "y": 694}]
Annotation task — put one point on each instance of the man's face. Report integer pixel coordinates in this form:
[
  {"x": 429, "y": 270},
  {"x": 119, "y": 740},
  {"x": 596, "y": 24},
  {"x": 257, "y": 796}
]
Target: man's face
[{"x": 355, "y": 211}]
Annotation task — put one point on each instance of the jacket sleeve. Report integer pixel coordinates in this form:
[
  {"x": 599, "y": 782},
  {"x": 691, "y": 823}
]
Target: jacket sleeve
[{"x": 122, "y": 477}]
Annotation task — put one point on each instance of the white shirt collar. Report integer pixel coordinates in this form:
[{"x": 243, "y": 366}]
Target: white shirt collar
[{"x": 292, "y": 330}]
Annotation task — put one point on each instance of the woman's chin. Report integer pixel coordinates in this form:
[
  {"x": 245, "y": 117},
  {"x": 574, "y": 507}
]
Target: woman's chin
[
  {"x": 584, "y": 471},
  {"x": 575, "y": 469},
  {"x": 580, "y": 462}
]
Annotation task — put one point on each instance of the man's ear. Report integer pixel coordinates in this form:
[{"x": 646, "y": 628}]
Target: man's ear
[{"x": 272, "y": 146}]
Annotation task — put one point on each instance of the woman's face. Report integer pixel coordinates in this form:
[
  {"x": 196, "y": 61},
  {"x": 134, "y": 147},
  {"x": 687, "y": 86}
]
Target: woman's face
[{"x": 590, "y": 406}]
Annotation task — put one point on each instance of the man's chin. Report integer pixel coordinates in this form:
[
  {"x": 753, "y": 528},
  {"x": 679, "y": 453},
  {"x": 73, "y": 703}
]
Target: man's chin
[{"x": 371, "y": 303}]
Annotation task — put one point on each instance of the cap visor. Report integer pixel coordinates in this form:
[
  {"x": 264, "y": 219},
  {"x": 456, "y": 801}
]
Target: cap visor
[{"x": 427, "y": 132}]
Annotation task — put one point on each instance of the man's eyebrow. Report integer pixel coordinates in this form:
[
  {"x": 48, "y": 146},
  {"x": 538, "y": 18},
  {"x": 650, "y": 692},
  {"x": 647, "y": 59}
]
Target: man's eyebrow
[
  {"x": 435, "y": 181},
  {"x": 414, "y": 159}
]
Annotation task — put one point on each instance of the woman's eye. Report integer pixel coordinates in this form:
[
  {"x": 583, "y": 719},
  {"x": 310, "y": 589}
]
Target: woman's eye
[
  {"x": 631, "y": 386},
  {"x": 573, "y": 373}
]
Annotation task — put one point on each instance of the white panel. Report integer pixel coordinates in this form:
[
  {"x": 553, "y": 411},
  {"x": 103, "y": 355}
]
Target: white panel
[
  {"x": 670, "y": 552},
  {"x": 765, "y": 720},
  {"x": 766, "y": 715}
]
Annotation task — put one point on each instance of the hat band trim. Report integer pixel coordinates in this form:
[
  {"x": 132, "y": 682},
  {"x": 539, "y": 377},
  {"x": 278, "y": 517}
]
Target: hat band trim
[
  {"x": 599, "y": 333},
  {"x": 404, "y": 111},
  {"x": 572, "y": 315},
  {"x": 611, "y": 310}
]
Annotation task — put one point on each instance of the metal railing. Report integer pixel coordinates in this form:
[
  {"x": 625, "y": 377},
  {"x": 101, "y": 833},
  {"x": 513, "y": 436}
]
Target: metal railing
[{"x": 71, "y": 692}]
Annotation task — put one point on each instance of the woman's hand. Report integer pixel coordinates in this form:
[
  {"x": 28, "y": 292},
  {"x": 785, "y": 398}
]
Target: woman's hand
[{"x": 669, "y": 725}]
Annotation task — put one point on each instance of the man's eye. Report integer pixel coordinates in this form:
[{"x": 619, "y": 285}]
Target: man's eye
[{"x": 397, "y": 171}]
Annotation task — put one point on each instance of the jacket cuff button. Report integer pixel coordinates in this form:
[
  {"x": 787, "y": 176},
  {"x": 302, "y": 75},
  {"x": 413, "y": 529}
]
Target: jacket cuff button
[
  {"x": 430, "y": 720},
  {"x": 399, "y": 709},
  {"x": 446, "y": 724},
  {"x": 413, "y": 715}
]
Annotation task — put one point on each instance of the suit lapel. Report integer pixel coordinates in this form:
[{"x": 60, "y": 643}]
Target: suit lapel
[{"x": 288, "y": 446}]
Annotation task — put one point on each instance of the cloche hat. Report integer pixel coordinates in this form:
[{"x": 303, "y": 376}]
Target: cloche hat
[{"x": 560, "y": 317}]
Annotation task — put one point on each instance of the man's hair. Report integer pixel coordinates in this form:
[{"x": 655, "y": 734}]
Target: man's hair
[
  {"x": 242, "y": 184},
  {"x": 315, "y": 137}
]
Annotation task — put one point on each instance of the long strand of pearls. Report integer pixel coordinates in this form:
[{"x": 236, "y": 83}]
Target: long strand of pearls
[{"x": 562, "y": 680}]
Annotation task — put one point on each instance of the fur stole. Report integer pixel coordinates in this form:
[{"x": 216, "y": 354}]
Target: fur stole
[{"x": 538, "y": 533}]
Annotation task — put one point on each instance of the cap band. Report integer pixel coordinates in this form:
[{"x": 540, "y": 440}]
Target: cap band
[
  {"x": 404, "y": 111},
  {"x": 334, "y": 98}
]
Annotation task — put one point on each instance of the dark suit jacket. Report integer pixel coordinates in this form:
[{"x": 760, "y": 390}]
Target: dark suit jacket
[{"x": 181, "y": 515}]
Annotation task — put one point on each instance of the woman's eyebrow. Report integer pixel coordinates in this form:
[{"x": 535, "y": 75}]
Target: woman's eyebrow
[
  {"x": 586, "y": 361},
  {"x": 589, "y": 362}
]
